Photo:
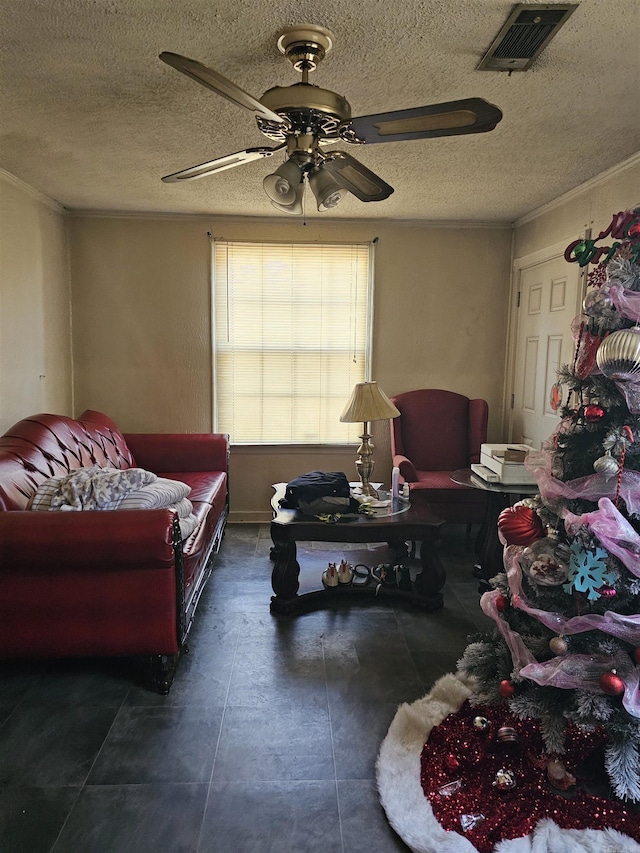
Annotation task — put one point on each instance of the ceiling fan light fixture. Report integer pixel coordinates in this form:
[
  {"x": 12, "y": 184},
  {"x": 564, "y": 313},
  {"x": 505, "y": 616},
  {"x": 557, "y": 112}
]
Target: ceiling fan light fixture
[
  {"x": 303, "y": 117},
  {"x": 294, "y": 209},
  {"x": 282, "y": 185},
  {"x": 326, "y": 189}
]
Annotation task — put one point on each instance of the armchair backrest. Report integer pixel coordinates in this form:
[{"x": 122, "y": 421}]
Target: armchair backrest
[{"x": 439, "y": 430}]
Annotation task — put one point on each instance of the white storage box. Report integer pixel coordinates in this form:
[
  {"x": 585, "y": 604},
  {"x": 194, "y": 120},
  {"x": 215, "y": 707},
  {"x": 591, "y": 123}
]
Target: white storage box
[
  {"x": 507, "y": 460},
  {"x": 485, "y": 474}
]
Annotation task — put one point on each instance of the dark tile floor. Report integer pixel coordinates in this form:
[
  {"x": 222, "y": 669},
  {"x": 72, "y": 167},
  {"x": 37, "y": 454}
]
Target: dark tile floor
[{"x": 267, "y": 741}]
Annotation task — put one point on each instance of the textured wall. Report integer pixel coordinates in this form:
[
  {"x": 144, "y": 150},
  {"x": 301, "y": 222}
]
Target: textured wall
[
  {"x": 590, "y": 207},
  {"x": 142, "y": 325},
  {"x": 35, "y": 327}
]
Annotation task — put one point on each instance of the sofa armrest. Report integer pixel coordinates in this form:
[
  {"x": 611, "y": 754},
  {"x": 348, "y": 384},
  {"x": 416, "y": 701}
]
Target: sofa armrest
[
  {"x": 407, "y": 470},
  {"x": 87, "y": 541},
  {"x": 159, "y": 452}
]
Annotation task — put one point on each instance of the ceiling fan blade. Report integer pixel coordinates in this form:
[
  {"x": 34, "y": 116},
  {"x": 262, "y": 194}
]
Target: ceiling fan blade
[
  {"x": 217, "y": 83},
  {"x": 222, "y": 163},
  {"x": 472, "y": 115},
  {"x": 355, "y": 177}
]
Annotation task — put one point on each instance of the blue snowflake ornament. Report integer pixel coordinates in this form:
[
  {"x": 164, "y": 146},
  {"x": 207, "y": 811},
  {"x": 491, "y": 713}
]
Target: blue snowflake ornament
[{"x": 588, "y": 572}]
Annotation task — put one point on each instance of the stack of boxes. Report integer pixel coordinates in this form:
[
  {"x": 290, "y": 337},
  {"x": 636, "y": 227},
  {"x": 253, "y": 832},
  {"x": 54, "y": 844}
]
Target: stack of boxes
[{"x": 504, "y": 463}]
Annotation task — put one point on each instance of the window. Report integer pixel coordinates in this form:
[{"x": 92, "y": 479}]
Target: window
[{"x": 292, "y": 328}]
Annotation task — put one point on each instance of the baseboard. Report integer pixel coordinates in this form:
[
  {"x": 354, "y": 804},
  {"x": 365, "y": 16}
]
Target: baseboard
[{"x": 251, "y": 517}]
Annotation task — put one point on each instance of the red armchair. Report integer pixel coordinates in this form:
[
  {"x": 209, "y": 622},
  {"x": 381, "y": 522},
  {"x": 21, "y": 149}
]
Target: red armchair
[{"x": 436, "y": 433}]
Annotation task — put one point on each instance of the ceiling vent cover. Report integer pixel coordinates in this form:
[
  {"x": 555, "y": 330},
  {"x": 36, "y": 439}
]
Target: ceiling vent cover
[{"x": 526, "y": 32}]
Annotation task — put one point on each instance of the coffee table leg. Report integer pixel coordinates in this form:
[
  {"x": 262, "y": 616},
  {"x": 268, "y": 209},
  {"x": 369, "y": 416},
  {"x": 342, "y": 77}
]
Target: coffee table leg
[
  {"x": 431, "y": 579},
  {"x": 284, "y": 577}
]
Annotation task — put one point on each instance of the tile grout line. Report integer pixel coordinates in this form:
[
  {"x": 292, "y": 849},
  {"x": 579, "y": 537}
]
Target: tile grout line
[
  {"x": 83, "y": 786},
  {"x": 215, "y": 754},
  {"x": 333, "y": 751}
]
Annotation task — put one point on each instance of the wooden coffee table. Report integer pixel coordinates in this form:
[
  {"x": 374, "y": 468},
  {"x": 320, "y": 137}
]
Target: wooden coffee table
[{"x": 414, "y": 522}]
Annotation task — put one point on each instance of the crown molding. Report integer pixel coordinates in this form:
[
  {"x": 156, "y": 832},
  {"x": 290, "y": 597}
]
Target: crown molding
[
  {"x": 88, "y": 213},
  {"x": 579, "y": 190},
  {"x": 33, "y": 193}
]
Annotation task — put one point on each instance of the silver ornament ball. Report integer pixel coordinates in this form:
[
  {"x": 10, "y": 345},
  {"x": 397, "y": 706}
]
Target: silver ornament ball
[
  {"x": 607, "y": 466},
  {"x": 505, "y": 780},
  {"x": 618, "y": 356},
  {"x": 598, "y": 303}
]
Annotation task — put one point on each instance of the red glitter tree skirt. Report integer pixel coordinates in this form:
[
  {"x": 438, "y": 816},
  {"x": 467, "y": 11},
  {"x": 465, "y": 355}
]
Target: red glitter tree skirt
[{"x": 436, "y": 774}]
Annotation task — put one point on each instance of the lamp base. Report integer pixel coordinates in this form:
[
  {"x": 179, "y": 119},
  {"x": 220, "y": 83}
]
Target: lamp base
[
  {"x": 364, "y": 466},
  {"x": 368, "y": 490}
]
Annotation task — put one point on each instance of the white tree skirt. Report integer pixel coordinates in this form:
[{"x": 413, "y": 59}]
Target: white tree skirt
[{"x": 409, "y": 811}]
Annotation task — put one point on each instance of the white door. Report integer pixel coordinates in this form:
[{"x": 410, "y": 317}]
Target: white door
[{"x": 550, "y": 298}]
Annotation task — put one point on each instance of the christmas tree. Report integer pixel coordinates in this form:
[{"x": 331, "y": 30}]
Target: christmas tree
[{"x": 566, "y": 649}]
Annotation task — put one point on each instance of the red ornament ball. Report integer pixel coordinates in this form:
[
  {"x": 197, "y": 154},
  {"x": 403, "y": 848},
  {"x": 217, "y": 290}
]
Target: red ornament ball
[
  {"x": 593, "y": 413},
  {"x": 501, "y": 603},
  {"x": 636, "y": 654},
  {"x": 451, "y": 763},
  {"x": 611, "y": 684},
  {"x": 507, "y": 688},
  {"x": 555, "y": 398},
  {"x": 520, "y": 525}
]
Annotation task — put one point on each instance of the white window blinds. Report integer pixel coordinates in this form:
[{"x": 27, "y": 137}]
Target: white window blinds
[{"x": 292, "y": 329}]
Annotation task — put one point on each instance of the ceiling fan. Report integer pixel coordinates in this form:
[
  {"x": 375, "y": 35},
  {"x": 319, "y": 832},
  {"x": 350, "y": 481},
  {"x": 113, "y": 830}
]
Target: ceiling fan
[{"x": 303, "y": 117}]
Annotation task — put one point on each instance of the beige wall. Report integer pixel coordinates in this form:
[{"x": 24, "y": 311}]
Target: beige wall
[
  {"x": 142, "y": 314},
  {"x": 35, "y": 319},
  {"x": 591, "y": 206},
  {"x": 142, "y": 326},
  {"x": 547, "y": 232}
]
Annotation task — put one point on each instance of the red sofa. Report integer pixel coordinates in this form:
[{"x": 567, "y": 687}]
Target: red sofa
[{"x": 105, "y": 583}]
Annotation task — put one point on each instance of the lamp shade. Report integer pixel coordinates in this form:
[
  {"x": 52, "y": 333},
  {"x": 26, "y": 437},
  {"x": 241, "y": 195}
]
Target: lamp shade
[
  {"x": 368, "y": 402},
  {"x": 325, "y": 188},
  {"x": 294, "y": 209},
  {"x": 282, "y": 185}
]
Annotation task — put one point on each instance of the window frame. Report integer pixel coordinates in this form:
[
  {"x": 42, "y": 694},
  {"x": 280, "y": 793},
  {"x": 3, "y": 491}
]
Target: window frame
[{"x": 352, "y": 431}]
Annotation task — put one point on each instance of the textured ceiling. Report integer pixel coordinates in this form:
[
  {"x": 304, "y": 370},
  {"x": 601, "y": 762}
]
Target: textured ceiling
[{"x": 91, "y": 117}]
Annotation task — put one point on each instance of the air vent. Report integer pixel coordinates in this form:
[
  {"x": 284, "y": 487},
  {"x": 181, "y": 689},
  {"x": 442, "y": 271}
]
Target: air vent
[{"x": 526, "y": 32}]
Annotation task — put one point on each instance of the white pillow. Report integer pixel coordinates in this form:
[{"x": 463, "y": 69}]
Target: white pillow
[{"x": 162, "y": 493}]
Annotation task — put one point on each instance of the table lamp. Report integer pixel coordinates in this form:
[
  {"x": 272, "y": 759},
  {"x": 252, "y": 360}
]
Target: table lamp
[{"x": 367, "y": 403}]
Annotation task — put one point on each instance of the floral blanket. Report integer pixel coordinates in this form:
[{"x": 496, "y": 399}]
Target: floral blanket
[{"x": 99, "y": 488}]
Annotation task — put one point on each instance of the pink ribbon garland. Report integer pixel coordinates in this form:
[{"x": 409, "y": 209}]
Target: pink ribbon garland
[
  {"x": 583, "y": 672},
  {"x": 627, "y": 302},
  {"x": 520, "y": 654},
  {"x": 569, "y": 671},
  {"x": 592, "y": 487},
  {"x": 613, "y": 531},
  {"x": 618, "y": 625}
]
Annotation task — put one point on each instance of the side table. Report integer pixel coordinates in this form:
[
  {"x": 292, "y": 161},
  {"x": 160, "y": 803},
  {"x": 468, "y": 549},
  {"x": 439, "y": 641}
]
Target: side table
[
  {"x": 413, "y": 522},
  {"x": 499, "y": 496}
]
